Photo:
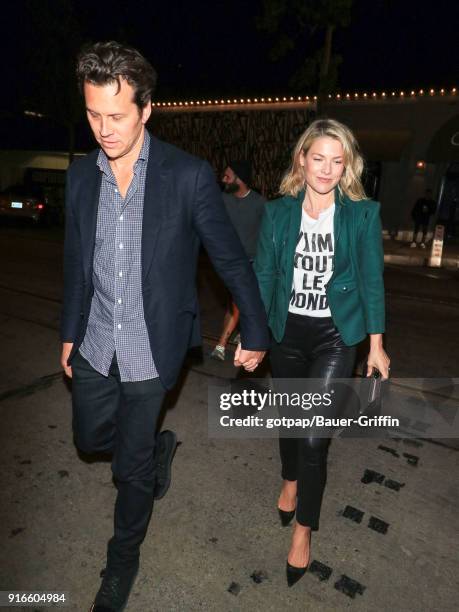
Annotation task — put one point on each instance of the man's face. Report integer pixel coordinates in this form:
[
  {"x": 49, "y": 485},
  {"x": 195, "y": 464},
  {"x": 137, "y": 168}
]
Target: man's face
[
  {"x": 115, "y": 119},
  {"x": 229, "y": 180}
]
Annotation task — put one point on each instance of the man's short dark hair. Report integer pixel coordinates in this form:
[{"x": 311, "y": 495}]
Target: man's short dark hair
[{"x": 103, "y": 63}]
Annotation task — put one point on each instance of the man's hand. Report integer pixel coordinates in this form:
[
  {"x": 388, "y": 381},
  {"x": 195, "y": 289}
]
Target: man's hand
[
  {"x": 248, "y": 359},
  {"x": 66, "y": 350}
]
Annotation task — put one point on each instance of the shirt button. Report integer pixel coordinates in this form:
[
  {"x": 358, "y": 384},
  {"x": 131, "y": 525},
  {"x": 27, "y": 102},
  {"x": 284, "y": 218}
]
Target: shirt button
[
  {"x": 121, "y": 217},
  {"x": 116, "y": 190},
  {"x": 120, "y": 274},
  {"x": 119, "y": 301},
  {"x": 119, "y": 325},
  {"x": 121, "y": 245},
  {"x": 344, "y": 288}
]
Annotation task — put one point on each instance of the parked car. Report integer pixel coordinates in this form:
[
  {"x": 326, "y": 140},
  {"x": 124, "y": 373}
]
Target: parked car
[{"x": 24, "y": 202}]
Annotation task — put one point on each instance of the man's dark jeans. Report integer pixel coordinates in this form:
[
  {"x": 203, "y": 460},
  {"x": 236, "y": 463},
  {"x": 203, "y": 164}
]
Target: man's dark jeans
[{"x": 120, "y": 418}]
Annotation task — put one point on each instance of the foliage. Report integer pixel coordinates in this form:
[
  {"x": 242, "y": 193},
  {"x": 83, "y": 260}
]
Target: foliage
[{"x": 304, "y": 28}]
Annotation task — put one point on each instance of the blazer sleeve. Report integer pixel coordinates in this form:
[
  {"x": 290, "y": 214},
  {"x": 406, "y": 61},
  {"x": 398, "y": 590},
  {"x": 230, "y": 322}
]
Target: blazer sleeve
[
  {"x": 371, "y": 268},
  {"x": 225, "y": 250},
  {"x": 265, "y": 261},
  {"x": 73, "y": 271}
]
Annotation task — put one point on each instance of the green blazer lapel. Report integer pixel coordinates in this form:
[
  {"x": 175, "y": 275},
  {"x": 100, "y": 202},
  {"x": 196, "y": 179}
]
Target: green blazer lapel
[
  {"x": 292, "y": 235},
  {"x": 338, "y": 216}
]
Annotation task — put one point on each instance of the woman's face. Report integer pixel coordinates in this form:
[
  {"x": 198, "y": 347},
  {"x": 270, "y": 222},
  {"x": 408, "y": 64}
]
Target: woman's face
[{"x": 323, "y": 164}]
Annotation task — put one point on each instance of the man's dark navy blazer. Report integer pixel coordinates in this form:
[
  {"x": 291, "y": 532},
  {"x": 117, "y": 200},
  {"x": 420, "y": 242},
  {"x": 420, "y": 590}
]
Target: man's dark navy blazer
[{"x": 182, "y": 207}]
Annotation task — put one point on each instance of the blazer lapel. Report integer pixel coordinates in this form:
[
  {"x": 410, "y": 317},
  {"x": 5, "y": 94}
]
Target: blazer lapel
[
  {"x": 294, "y": 226},
  {"x": 90, "y": 204},
  {"x": 338, "y": 216},
  {"x": 156, "y": 185},
  {"x": 292, "y": 235}
]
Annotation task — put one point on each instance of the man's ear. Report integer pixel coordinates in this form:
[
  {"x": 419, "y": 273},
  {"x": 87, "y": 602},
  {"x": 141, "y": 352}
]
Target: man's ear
[{"x": 146, "y": 112}]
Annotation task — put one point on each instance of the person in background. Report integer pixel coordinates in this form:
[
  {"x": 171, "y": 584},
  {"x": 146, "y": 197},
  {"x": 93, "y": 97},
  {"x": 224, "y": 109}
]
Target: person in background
[
  {"x": 320, "y": 266},
  {"x": 245, "y": 208},
  {"x": 422, "y": 211}
]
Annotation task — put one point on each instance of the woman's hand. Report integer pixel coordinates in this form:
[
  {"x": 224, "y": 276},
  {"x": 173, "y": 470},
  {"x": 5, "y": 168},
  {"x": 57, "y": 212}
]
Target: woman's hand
[
  {"x": 248, "y": 359},
  {"x": 378, "y": 357}
]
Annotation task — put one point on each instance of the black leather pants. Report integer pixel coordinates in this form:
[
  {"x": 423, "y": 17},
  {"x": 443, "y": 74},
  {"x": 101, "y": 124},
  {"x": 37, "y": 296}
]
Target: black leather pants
[{"x": 311, "y": 348}]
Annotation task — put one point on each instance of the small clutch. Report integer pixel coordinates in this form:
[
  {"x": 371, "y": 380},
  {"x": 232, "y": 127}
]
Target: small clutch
[{"x": 373, "y": 407}]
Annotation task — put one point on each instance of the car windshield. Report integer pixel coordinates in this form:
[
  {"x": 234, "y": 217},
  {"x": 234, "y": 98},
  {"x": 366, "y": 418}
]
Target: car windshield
[{"x": 24, "y": 191}]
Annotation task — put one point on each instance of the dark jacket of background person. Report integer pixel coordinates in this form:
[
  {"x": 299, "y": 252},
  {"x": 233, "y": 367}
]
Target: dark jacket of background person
[
  {"x": 246, "y": 214},
  {"x": 423, "y": 209},
  {"x": 183, "y": 206},
  {"x": 356, "y": 289}
]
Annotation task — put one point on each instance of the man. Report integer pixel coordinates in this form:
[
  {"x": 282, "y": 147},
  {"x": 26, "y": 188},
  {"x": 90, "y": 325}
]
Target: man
[
  {"x": 136, "y": 209},
  {"x": 421, "y": 213},
  {"x": 245, "y": 208}
]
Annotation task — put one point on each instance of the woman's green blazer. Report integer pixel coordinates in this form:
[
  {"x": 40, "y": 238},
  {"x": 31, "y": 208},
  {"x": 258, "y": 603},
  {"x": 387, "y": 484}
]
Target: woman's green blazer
[{"x": 356, "y": 289}]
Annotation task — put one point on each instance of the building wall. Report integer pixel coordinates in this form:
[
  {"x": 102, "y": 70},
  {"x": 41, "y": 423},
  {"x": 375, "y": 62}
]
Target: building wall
[
  {"x": 14, "y": 163},
  {"x": 401, "y": 182}
]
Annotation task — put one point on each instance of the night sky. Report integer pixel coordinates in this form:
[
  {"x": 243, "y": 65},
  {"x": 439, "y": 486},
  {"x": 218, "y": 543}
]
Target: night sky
[{"x": 213, "y": 49}]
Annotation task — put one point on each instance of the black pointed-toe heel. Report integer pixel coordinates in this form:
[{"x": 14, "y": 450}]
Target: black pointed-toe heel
[
  {"x": 294, "y": 573},
  {"x": 286, "y": 516}
]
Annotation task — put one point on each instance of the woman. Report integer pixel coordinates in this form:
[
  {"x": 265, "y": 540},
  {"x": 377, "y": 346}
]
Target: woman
[{"x": 319, "y": 266}]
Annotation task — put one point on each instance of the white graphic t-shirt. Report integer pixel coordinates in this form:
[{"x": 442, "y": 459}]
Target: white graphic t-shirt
[{"x": 313, "y": 265}]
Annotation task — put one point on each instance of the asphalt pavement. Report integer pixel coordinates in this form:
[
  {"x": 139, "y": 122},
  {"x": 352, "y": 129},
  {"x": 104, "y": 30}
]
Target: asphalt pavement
[{"x": 388, "y": 537}]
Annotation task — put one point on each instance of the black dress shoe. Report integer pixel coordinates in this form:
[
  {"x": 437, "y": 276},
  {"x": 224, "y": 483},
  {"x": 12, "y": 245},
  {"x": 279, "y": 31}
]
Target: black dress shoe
[
  {"x": 167, "y": 444},
  {"x": 286, "y": 516},
  {"x": 114, "y": 590},
  {"x": 294, "y": 573}
]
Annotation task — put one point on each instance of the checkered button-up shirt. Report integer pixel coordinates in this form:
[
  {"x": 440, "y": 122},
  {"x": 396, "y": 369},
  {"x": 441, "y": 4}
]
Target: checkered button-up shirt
[{"x": 116, "y": 320}]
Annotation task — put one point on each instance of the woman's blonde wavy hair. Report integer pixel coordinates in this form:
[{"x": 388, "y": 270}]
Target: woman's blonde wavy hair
[{"x": 350, "y": 183}]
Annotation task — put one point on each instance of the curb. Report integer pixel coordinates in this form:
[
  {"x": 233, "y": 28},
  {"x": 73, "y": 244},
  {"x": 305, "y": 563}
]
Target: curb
[{"x": 420, "y": 260}]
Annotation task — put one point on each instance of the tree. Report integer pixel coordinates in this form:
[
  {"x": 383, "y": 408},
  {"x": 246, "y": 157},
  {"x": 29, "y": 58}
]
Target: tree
[
  {"x": 56, "y": 39},
  {"x": 306, "y": 27}
]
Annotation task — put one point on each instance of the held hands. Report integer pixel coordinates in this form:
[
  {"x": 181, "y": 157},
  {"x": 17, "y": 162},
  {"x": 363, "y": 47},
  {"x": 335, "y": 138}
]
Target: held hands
[
  {"x": 248, "y": 359},
  {"x": 66, "y": 350},
  {"x": 378, "y": 357}
]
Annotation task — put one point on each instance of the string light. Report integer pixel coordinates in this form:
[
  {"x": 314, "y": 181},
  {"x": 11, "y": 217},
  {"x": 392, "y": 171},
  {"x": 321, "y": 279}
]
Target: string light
[{"x": 348, "y": 96}]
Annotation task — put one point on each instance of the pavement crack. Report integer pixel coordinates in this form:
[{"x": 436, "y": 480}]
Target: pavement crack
[{"x": 44, "y": 382}]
